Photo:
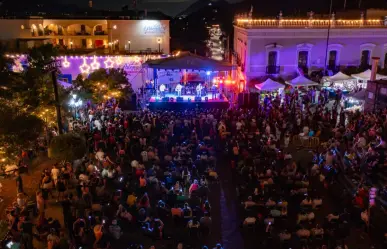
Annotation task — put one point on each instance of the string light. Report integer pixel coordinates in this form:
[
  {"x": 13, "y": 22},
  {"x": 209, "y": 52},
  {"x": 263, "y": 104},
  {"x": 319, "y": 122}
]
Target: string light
[
  {"x": 85, "y": 69},
  {"x": 18, "y": 67},
  {"x": 95, "y": 64},
  {"x": 109, "y": 63},
  {"x": 119, "y": 60},
  {"x": 66, "y": 63}
]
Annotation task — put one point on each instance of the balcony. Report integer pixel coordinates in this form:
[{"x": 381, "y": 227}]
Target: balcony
[
  {"x": 80, "y": 33},
  {"x": 334, "y": 68},
  {"x": 272, "y": 69},
  {"x": 364, "y": 67},
  {"x": 100, "y": 33}
]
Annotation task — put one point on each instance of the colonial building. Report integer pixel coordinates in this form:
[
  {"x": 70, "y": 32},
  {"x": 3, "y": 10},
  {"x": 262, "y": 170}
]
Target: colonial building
[
  {"x": 106, "y": 35},
  {"x": 283, "y": 46}
]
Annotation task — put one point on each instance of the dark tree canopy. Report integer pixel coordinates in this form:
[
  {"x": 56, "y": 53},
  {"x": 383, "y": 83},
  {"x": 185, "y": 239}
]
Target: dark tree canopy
[{"x": 69, "y": 147}]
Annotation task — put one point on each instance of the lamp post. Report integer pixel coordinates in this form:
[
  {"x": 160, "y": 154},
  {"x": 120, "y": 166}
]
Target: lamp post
[
  {"x": 111, "y": 35},
  {"x": 129, "y": 46},
  {"x": 159, "y": 42},
  {"x": 71, "y": 44},
  {"x": 75, "y": 103}
]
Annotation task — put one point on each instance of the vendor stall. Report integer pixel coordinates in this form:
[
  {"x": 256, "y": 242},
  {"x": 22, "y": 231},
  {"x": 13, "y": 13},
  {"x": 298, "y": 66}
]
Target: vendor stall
[
  {"x": 365, "y": 76},
  {"x": 340, "y": 81},
  {"x": 269, "y": 85},
  {"x": 302, "y": 81},
  {"x": 355, "y": 100}
]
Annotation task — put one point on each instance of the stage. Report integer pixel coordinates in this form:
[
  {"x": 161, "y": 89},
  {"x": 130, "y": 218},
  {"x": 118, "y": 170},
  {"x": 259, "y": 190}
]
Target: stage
[{"x": 171, "y": 102}]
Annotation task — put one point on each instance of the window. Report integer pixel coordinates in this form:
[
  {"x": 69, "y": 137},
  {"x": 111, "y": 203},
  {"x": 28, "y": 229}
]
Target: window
[
  {"x": 84, "y": 44},
  {"x": 98, "y": 28},
  {"x": 385, "y": 60},
  {"x": 61, "y": 43},
  {"x": 60, "y": 30},
  {"x": 365, "y": 58},
  {"x": 83, "y": 28},
  {"x": 303, "y": 59},
  {"x": 272, "y": 58},
  {"x": 332, "y": 60}
]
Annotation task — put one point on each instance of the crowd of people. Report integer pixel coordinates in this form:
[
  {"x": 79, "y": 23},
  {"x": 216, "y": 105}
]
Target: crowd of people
[{"x": 150, "y": 174}]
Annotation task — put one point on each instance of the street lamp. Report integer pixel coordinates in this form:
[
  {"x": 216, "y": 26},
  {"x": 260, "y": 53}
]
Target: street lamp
[
  {"x": 159, "y": 42},
  {"x": 129, "y": 45},
  {"x": 75, "y": 104},
  {"x": 71, "y": 45}
]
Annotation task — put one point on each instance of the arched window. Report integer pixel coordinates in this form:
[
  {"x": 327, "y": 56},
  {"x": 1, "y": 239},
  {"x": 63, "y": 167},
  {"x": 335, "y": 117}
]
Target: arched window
[
  {"x": 332, "y": 59},
  {"x": 303, "y": 59},
  {"x": 272, "y": 60},
  {"x": 365, "y": 58}
]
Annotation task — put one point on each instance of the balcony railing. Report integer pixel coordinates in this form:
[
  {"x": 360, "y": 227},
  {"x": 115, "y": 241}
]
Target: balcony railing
[
  {"x": 78, "y": 33},
  {"x": 272, "y": 69},
  {"x": 334, "y": 68},
  {"x": 311, "y": 23},
  {"x": 100, "y": 33}
]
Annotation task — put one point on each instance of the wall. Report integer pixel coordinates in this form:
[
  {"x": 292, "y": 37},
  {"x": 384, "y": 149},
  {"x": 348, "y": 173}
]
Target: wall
[
  {"x": 348, "y": 43},
  {"x": 142, "y": 34}
]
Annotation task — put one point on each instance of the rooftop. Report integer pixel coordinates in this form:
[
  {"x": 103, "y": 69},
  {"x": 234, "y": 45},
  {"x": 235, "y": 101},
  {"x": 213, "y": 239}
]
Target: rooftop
[{"x": 309, "y": 23}]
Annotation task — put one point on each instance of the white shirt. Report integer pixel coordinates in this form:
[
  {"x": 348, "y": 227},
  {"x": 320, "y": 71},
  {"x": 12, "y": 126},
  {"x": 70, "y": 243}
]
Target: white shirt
[
  {"x": 55, "y": 173},
  {"x": 238, "y": 125},
  {"x": 98, "y": 124}
]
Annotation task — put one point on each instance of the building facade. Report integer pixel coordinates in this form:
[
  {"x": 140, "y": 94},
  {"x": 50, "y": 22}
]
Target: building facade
[
  {"x": 133, "y": 36},
  {"x": 282, "y": 46}
]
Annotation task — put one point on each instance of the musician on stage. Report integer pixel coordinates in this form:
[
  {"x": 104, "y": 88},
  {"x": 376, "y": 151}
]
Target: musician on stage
[
  {"x": 178, "y": 89},
  {"x": 213, "y": 91},
  {"x": 162, "y": 90},
  {"x": 199, "y": 88}
]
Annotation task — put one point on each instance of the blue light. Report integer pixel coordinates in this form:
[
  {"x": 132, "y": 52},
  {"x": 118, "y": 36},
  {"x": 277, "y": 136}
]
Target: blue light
[{"x": 208, "y": 72}]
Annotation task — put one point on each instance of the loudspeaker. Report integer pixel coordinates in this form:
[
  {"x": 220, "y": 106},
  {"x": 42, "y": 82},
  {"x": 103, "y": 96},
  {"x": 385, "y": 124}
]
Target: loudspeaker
[
  {"x": 254, "y": 97},
  {"x": 165, "y": 99},
  {"x": 240, "y": 99},
  {"x": 179, "y": 99},
  {"x": 243, "y": 100},
  {"x": 198, "y": 99}
]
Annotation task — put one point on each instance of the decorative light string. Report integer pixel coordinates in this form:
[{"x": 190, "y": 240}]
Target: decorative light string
[
  {"x": 66, "y": 63},
  {"x": 95, "y": 65},
  {"x": 85, "y": 69},
  {"x": 109, "y": 63}
]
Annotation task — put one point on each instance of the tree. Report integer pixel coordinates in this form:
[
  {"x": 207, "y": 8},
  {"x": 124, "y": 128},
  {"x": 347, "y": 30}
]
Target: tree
[
  {"x": 104, "y": 83},
  {"x": 69, "y": 147},
  {"x": 10, "y": 82},
  {"x": 39, "y": 81},
  {"x": 18, "y": 129}
]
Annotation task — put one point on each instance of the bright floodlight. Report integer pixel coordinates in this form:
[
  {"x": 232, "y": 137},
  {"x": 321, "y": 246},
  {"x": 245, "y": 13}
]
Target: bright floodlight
[{"x": 208, "y": 73}]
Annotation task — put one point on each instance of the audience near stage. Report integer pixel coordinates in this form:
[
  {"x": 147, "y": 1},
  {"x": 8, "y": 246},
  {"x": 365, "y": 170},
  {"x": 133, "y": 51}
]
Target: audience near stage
[{"x": 151, "y": 172}]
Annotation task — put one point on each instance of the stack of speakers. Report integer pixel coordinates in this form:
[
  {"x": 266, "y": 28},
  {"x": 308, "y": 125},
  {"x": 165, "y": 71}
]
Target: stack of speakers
[{"x": 248, "y": 100}]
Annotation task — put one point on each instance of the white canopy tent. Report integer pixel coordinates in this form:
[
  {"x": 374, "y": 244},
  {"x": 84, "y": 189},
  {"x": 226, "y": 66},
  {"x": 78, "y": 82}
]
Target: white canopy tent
[
  {"x": 340, "y": 81},
  {"x": 339, "y": 77},
  {"x": 301, "y": 81},
  {"x": 366, "y": 75},
  {"x": 269, "y": 85}
]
